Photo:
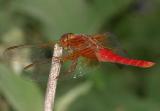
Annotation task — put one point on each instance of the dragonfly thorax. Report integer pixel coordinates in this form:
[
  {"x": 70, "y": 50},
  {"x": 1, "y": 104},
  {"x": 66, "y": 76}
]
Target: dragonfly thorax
[{"x": 72, "y": 40}]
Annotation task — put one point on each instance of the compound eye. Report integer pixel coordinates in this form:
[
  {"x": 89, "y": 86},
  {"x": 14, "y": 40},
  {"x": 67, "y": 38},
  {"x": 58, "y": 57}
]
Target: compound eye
[{"x": 65, "y": 39}]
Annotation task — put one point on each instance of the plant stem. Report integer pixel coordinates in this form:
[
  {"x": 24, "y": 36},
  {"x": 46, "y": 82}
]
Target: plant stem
[{"x": 52, "y": 80}]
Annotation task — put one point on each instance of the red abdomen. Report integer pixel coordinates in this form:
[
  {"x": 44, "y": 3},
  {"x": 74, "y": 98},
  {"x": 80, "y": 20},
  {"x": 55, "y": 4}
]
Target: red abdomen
[{"x": 107, "y": 55}]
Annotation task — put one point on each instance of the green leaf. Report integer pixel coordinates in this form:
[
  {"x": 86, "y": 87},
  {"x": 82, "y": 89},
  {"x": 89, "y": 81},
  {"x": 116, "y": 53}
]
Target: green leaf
[
  {"x": 77, "y": 16},
  {"x": 23, "y": 95}
]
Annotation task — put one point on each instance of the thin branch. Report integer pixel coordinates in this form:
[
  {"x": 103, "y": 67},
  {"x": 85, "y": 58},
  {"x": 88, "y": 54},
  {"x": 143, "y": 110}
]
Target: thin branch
[{"x": 52, "y": 80}]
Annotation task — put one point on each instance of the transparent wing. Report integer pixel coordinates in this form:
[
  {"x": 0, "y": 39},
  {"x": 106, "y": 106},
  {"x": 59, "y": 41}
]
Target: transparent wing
[
  {"x": 86, "y": 67},
  {"x": 20, "y": 56},
  {"x": 110, "y": 41}
]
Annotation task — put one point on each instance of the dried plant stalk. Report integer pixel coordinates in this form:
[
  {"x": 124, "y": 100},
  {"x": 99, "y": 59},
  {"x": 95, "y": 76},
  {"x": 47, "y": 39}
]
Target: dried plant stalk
[{"x": 52, "y": 80}]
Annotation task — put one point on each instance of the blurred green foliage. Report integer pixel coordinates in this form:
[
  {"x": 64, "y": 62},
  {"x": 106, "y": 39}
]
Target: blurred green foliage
[{"x": 135, "y": 22}]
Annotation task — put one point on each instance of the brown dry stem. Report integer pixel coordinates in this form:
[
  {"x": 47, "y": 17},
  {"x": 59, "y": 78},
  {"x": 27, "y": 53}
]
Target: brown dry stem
[{"x": 52, "y": 80}]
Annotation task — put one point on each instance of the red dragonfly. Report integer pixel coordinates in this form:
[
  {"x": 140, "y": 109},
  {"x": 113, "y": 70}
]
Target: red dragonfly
[
  {"x": 91, "y": 47},
  {"x": 96, "y": 47}
]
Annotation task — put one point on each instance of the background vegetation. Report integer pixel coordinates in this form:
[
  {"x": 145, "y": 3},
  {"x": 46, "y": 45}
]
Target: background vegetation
[{"x": 107, "y": 88}]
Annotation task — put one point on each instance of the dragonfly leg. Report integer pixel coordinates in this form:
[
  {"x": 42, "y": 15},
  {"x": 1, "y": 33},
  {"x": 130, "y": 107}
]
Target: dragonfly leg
[{"x": 72, "y": 67}]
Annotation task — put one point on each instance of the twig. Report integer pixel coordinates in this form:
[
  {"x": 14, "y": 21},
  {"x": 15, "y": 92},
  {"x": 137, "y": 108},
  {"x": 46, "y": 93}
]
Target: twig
[{"x": 52, "y": 80}]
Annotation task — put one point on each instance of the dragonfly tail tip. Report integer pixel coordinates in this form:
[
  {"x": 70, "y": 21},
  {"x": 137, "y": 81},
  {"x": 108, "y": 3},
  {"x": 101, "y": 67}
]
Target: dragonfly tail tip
[{"x": 149, "y": 64}]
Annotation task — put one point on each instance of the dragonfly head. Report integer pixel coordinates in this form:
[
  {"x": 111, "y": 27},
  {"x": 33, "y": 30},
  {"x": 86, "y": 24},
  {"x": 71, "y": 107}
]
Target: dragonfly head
[{"x": 66, "y": 39}]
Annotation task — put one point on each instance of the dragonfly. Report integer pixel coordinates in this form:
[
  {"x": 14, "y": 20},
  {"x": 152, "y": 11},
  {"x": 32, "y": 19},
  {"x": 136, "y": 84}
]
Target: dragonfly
[{"x": 97, "y": 47}]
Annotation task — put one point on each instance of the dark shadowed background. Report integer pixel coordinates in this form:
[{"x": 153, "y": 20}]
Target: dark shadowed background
[{"x": 136, "y": 23}]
